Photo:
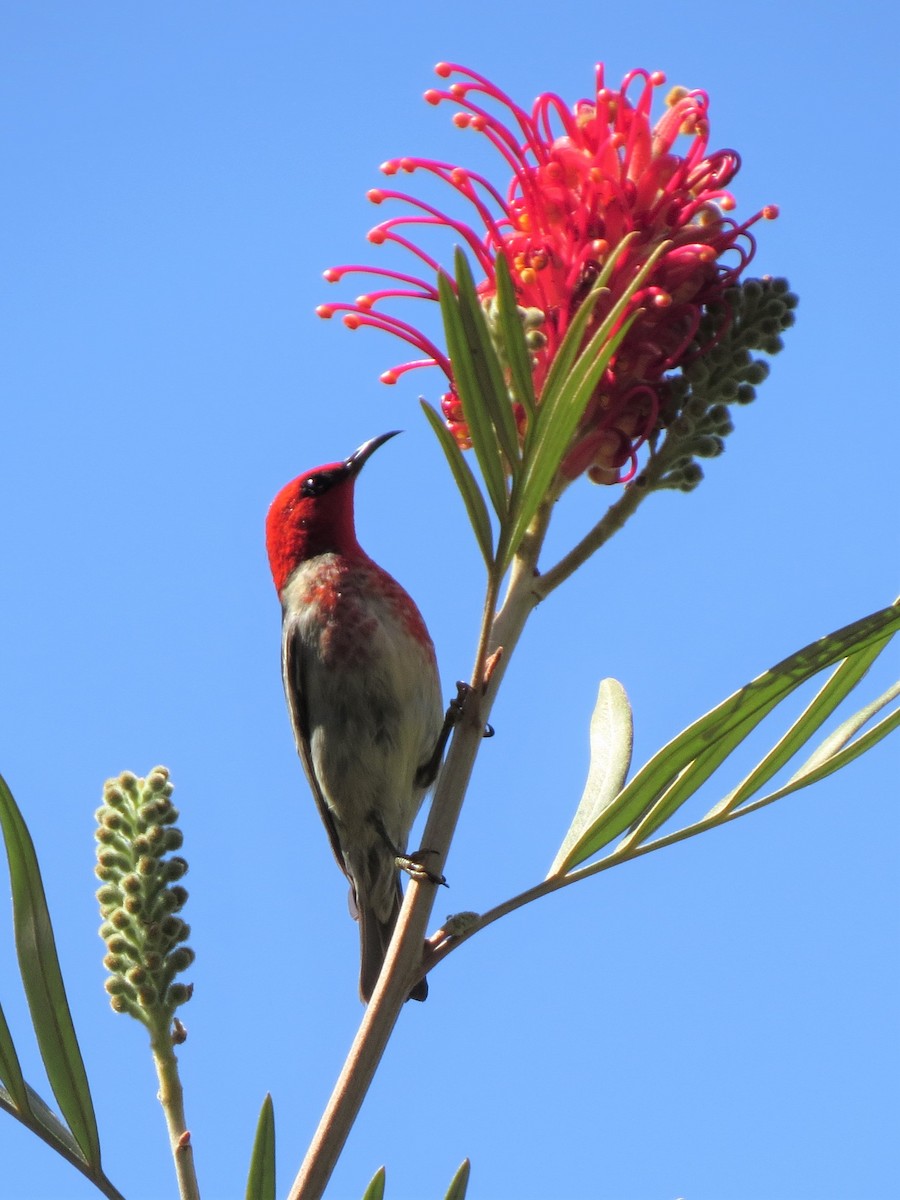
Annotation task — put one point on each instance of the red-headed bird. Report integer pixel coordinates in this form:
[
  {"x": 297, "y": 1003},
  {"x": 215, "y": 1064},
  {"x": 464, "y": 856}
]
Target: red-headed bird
[{"x": 362, "y": 690}]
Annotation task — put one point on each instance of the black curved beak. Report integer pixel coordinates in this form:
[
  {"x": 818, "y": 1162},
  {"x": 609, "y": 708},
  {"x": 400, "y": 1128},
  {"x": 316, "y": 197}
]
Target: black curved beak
[{"x": 358, "y": 458}]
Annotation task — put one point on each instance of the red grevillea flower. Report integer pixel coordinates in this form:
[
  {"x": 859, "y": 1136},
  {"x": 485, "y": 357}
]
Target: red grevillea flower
[{"x": 582, "y": 180}]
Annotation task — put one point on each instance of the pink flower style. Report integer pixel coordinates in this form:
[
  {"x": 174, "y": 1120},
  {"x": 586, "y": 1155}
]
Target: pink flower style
[{"x": 581, "y": 181}]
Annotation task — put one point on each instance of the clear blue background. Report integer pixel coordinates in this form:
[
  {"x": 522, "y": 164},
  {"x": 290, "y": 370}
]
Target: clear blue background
[{"x": 717, "y": 1021}]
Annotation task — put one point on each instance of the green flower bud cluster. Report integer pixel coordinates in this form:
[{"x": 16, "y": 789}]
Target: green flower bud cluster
[
  {"x": 721, "y": 370},
  {"x": 532, "y": 319},
  {"x": 141, "y": 896}
]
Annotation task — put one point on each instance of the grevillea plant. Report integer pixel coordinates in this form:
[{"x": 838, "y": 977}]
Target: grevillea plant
[{"x": 598, "y": 323}]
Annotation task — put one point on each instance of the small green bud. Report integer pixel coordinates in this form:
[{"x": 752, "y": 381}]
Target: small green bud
[
  {"x": 158, "y": 780},
  {"x": 179, "y": 960},
  {"x": 128, "y": 782},
  {"x": 173, "y": 869},
  {"x": 113, "y": 794},
  {"x": 746, "y": 393},
  {"x": 179, "y": 993},
  {"x": 112, "y": 860},
  {"x": 173, "y": 840}
]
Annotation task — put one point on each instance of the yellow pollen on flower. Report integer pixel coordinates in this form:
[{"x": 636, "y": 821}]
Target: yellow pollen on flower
[
  {"x": 523, "y": 222},
  {"x": 585, "y": 115},
  {"x": 539, "y": 259},
  {"x": 675, "y": 94},
  {"x": 528, "y": 276}
]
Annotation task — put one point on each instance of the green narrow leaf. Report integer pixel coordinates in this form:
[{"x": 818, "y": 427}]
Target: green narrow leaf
[
  {"x": 465, "y": 375},
  {"x": 46, "y": 1125},
  {"x": 557, "y": 421},
  {"x": 489, "y": 369},
  {"x": 692, "y": 778},
  {"x": 44, "y": 1122},
  {"x": 513, "y": 334},
  {"x": 10, "y": 1071},
  {"x": 261, "y": 1176},
  {"x": 43, "y": 983},
  {"x": 565, "y": 356},
  {"x": 564, "y": 398},
  {"x": 611, "y": 740},
  {"x": 835, "y": 742},
  {"x": 842, "y": 681},
  {"x": 459, "y": 1184},
  {"x": 750, "y": 703},
  {"x": 844, "y": 732},
  {"x": 375, "y": 1190},
  {"x": 835, "y": 762},
  {"x": 467, "y": 484}
]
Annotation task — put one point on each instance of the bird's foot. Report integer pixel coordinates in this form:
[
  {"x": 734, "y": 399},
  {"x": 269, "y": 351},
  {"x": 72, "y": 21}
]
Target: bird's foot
[
  {"x": 427, "y": 773},
  {"x": 414, "y": 865}
]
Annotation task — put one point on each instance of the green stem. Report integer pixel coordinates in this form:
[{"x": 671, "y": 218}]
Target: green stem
[
  {"x": 171, "y": 1097},
  {"x": 611, "y": 522}
]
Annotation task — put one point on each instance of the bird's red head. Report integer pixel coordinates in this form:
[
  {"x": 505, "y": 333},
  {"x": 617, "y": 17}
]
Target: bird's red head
[{"x": 313, "y": 514}]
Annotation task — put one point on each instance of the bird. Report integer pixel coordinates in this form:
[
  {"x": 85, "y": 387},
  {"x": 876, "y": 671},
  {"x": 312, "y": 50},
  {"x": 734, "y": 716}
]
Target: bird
[{"x": 363, "y": 693}]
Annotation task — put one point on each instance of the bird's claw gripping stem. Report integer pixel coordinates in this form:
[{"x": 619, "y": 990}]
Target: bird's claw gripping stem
[
  {"x": 427, "y": 773},
  {"x": 414, "y": 866}
]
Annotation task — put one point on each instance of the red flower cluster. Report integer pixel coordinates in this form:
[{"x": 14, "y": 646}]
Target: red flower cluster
[{"x": 582, "y": 180}]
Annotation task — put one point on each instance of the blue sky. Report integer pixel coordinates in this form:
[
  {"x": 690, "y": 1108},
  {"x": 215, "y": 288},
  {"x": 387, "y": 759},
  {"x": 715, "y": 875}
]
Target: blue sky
[{"x": 717, "y": 1021}]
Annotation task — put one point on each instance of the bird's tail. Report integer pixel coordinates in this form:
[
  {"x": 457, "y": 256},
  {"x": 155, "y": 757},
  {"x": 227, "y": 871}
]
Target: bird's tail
[{"x": 374, "y": 939}]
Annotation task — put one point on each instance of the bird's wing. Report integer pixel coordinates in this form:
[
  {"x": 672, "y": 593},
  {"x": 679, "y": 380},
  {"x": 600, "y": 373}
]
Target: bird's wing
[{"x": 295, "y": 690}]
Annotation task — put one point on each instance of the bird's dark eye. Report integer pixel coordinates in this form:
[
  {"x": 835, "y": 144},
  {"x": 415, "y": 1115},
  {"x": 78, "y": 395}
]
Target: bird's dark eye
[{"x": 315, "y": 485}]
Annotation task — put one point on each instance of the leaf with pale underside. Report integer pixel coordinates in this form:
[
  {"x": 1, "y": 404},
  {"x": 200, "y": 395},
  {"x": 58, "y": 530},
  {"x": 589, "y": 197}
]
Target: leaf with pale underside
[
  {"x": 611, "y": 740},
  {"x": 677, "y": 770}
]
